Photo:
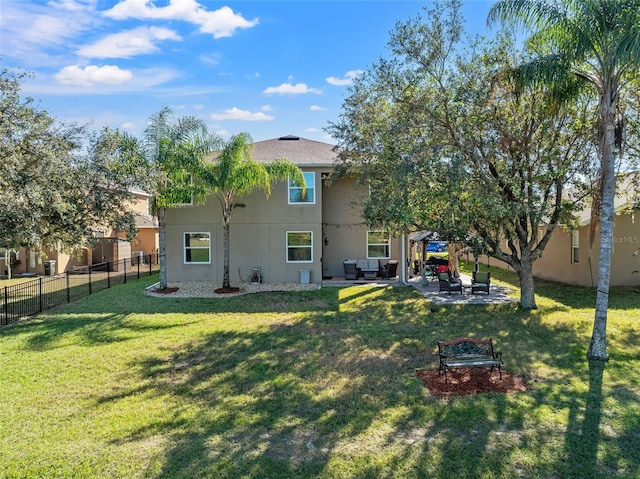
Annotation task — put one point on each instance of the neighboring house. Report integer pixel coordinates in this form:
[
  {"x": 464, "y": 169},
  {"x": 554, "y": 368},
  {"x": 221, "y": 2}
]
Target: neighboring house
[
  {"x": 572, "y": 258},
  {"x": 35, "y": 262},
  {"x": 146, "y": 242},
  {"x": 283, "y": 234}
]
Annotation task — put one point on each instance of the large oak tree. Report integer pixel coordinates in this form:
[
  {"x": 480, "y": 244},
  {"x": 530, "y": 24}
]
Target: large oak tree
[
  {"x": 59, "y": 183},
  {"x": 471, "y": 157}
]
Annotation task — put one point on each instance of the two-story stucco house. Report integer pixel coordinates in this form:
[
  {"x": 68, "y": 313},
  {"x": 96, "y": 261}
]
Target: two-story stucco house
[{"x": 284, "y": 233}]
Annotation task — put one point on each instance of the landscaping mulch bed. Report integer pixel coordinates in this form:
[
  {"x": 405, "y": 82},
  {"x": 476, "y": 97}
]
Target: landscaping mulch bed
[
  {"x": 231, "y": 290},
  {"x": 468, "y": 381},
  {"x": 166, "y": 290}
]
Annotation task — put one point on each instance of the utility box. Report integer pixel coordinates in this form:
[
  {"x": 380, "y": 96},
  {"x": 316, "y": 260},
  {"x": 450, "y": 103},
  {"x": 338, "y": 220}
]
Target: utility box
[
  {"x": 49, "y": 267},
  {"x": 305, "y": 276},
  {"x": 137, "y": 257}
]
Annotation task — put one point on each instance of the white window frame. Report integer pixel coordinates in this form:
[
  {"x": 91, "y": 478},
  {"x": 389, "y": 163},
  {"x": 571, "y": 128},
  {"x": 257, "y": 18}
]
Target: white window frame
[
  {"x": 575, "y": 246},
  {"x": 185, "y": 247},
  {"x": 310, "y": 185},
  {"x": 287, "y": 247},
  {"x": 387, "y": 245}
]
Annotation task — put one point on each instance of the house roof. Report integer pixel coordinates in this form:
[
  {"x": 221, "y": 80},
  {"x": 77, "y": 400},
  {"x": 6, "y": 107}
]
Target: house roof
[
  {"x": 424, "y": 236},
  {"x": 301, "y": 151},
  {"x": 626, "y": 197},
  {"x": 144, "y": 220}
]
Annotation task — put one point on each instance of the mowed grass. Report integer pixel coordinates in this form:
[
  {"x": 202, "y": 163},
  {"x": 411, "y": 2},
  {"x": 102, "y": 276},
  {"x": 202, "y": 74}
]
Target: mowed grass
[{"x": 314, "y": 384}]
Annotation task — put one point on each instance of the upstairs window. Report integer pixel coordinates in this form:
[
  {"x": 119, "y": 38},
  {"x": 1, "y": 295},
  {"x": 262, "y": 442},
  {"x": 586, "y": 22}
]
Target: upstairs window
[
  {"x": 197, "y": 248},
  {"x": 378, "y": 244},
  {"x": 297, "y": 196}
]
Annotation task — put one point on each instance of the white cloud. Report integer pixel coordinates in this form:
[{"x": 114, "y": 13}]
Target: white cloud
[
  {"x": 311, "y": 130},
  {"x": 288, "y": 88},
  {"x": 72, "y": 5},
  {"x": 317, "y": 108},
  {"x": 210, "y": 58},
  {"x": 223, "y": 133},
  {"x": 347, "y": 80},
  {"x": 33, "y": 32},
  {"x": 156, "y": 81},
  {"x": 220, "y": 23},
  {"x": 92, "y": 74},
  {"x": 244, "y": 115},
  {"x": 266, "y": 108},
  {"x": 128, "y": 126},
  {"x": 129, "y": 43}
]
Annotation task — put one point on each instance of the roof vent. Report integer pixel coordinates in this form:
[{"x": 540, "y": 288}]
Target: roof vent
[{"x": 289, "y": 137}]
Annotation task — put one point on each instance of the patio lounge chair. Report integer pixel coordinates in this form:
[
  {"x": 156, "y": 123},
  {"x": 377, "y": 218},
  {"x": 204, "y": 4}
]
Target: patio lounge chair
[
  {"x": 351, "y": 270},
  {"x": 481, "y": 281},
  {"x": 390, "y": 270},
  {"x": 447, "y": 284}
]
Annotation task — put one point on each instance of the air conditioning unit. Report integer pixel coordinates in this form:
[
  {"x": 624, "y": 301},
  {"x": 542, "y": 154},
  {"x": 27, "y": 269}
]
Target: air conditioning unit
[{"x": 137, "y": 257}]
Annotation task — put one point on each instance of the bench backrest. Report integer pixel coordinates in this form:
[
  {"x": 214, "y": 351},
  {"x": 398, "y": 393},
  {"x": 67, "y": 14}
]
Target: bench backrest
[{"x": 466, "y": 346}]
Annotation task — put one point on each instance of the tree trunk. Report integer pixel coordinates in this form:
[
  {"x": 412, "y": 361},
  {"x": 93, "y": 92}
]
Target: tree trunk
[
  {"x": 7, "y": 262},
  {"x": 226, "y": 282},
  {"x": 162, "y": 251},
  {"x": 598, "y": 347},
  {"x": 226, "y": 219},
  {"x": 527, "y": 288}
]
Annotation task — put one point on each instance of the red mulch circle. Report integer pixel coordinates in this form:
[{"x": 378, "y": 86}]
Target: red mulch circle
[
  {"x": 227, "y": 290},
  {"x": 166, "y": 290},
  {"x": 467, "y": 381}
]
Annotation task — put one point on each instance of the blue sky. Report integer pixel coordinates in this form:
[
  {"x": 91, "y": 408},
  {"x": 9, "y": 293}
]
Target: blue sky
[{"x": 270, "y": 68}]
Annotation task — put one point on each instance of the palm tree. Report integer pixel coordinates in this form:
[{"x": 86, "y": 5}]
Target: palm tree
[
  {"x": 172, "y": 149},
  {"x": 590, "y": 43},
  {"x": 234, "y": 174}
]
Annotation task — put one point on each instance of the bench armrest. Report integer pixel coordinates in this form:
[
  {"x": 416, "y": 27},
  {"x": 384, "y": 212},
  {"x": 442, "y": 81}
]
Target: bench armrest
[{"x": 498, "y": 355}]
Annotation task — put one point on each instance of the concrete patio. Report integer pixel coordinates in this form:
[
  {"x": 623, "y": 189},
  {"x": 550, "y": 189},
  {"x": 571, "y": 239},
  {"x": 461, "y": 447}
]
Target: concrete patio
[{"x": 430, "y": 290}]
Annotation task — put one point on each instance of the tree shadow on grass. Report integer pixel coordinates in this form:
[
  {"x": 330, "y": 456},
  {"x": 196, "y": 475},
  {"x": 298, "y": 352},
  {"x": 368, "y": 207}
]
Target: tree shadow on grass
[
  {"x": 271, "y": 403},
  {"x": 51, "y": 330},
  {"x": 337, "y": 386},
  {"x": 327, "y": 388}
]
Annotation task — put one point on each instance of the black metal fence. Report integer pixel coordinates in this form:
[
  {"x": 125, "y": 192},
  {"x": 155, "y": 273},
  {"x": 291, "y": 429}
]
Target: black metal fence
[{"x": 32, "y": 297}]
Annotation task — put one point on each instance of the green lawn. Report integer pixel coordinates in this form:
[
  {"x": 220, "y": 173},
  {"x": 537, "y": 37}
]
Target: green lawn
[{"x": 313, "y": 384}]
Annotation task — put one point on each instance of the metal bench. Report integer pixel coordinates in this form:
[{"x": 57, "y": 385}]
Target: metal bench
[{"x": 468, "y": 353}]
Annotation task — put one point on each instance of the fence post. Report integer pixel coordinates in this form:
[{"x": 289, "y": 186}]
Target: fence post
[
  {"x": 68, "y": 289},
  {"x": 6, "y": 307},
  {"x": 40, "y": 292},
  {"x": 125, "y": 270},
  {"x": 109, "y": 265},
  {"x": 89, "y": 279}
]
